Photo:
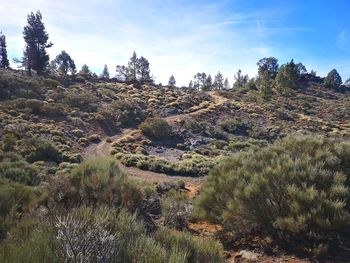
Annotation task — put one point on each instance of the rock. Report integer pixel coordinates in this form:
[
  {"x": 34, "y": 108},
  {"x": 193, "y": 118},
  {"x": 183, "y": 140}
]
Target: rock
[{"x": 249, "y": 255}]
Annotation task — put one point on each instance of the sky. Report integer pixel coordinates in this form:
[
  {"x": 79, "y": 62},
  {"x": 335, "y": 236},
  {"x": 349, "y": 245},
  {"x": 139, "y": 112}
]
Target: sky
[{"x": 183, "y": 37}]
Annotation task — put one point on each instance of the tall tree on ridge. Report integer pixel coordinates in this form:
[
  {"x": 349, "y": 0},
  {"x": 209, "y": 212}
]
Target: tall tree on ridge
[
  {"x": 35, "y": 56},
  {"x": 172, "y": 81},
  {"x": 65, "y": 63},
  {"x": 105, "y": 73},
  {"x": 218, "y": 81},
  {"x": 4, "y": 62}
]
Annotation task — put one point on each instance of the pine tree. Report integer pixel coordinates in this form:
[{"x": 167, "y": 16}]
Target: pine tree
[
  {"x": 105, "y": 73},
  {"x": 190, "y": 85},
  {"x": 208, "y": 84},
  {"x": 4, "y": 62},
  {"x": 122, "y": 73},
  {"x": 172, "y": 81},
  {"x": 240, "y": 80},
  {"x": 199, "y": 81},
  {"x": 36, "y": 37},
  {"x": 143, "y": 71},
  {"x": 333, "y": 80},
  {"x": 85, "y": 72},
  {"x": 218, "y": 81},
  {"x": 226, "y": 84},
  {"x": 133, "y": 68},
  {"x": 64, "y": 63},
  {"x": 289, "y": 76}
]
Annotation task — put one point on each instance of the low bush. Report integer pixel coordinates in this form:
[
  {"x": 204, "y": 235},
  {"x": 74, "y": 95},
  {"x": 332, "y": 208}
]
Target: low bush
[
  {"x": 189, "y": 249},
  {"x": 37, "y": 149},
  {"x": 297, "y": 188},
  {"x": 96, "y": 182},
  {"x": 15, "y": 169},
  {"x": 235, "y": 127},
  {"x": 156, "y": 129},
  {"x": 128, "y": 113}
]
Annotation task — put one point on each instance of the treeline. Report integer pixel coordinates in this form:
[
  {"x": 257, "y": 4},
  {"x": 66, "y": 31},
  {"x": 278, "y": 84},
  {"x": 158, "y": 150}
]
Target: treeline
[{"x": 271, "y": 77}]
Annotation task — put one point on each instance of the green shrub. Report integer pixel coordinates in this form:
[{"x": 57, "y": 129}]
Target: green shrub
[
  {"x": 82, "y": 100},
  {"x": 8, "y": 142},
  {"x": 193, "y": 249},
  {"x": 15, "y": 200},
  {"x": 51, "y": 83},
  {"x": 235, "y": 127},
  {"x": 156, "y": 129},
  {"x": 96, "y": 182},
  {"x": 298, "y": 187},
  {"x": 128, "y": 113},
  {"x": 15, "y": 169},
  {"x": 37, "y": 149},
  {"x": 18, "y": 85},
  {"x": 40, "y": 247}
]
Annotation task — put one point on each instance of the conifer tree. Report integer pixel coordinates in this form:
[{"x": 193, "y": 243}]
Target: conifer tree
[
  {"x": 208, "y": 84},
  {"x": 4, "y": 62},
  {"x": 34, "y": 34},
  {"x": 333, "y": 80},
  {"x": 85, "y": 72},
  {"x": 64, "y": 63},
  {"x": 218, "y": 81},
  {"x": 226, "y": 84},
  {"x": 105, "y": 73},
  {"x": 240, "y": 80},
  {"x": 172, "y": 81}
]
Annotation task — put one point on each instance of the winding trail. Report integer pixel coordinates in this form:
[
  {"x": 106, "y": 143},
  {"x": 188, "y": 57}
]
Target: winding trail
[{"x": 193, "y": 184}]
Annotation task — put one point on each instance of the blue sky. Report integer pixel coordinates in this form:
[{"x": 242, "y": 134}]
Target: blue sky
[{"x": 182, "y": 37}]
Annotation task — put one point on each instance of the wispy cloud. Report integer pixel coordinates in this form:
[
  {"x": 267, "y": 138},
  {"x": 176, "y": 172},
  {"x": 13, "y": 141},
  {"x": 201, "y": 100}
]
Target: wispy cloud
[{"x": 178, "y": 37}]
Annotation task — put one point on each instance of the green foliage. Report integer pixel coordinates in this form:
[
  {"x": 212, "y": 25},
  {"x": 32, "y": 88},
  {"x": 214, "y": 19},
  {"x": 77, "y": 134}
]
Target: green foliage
[
  {"x": 174, "y": 210},
  {"x": 196, "y": 165},
  {"x": 96, "y": 182},
  {"x": 40, "y": 247},
  {"x": 37, "y": 149},
  {"x": 51, "y": 83},
  {"x": 15, "y": 201},
  {"x": 64, "y": 63},
  {"x": 39, "y": 107},
  {"x": 128, "y": 113},
  {"x": 19, "y": 85},
  {"x": 15, "y": 169},
  {"x": 189, "y": 249},
  {"x": 36, "y": 37},
  {"x": 269, "y": 66},
  {"x": 4, "y": 62},
  {"x": 235, "y": 127},
  {"x": 298, "y": 187},
  {"x": 265, "y": 85},
  {"x": 288, "y": 77},
  {"x": 82, "y": 100},
  {"x": 333, "y": 80},
  {"x": 156, "y": 129}
]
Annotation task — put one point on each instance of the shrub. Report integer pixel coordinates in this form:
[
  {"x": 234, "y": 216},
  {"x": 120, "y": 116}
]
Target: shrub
[
  {"x": 82, "y": 100},
  {"x": 51, "y": 83},
  {"x": 14, "y": 84},
  {"x": 15, "y": 200},
  {"x": 128, "y": 113},
  {"x": 183, "y": 245},
  {"x": 37, "y": 149},
  {"x": 40, "y": 247},
  {"x": 175, "y": 211},
  {"x": 96, "y": 182},
  {"x": 15, "y": 169},
  {"x": 235, "y": 127},
  {"x": 156, "y": 129},
  {"x": 298, "y": 187}
]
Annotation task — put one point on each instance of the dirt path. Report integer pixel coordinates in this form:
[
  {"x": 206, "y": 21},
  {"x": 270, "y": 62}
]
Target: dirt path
[{"x": 193, "y": 184}]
